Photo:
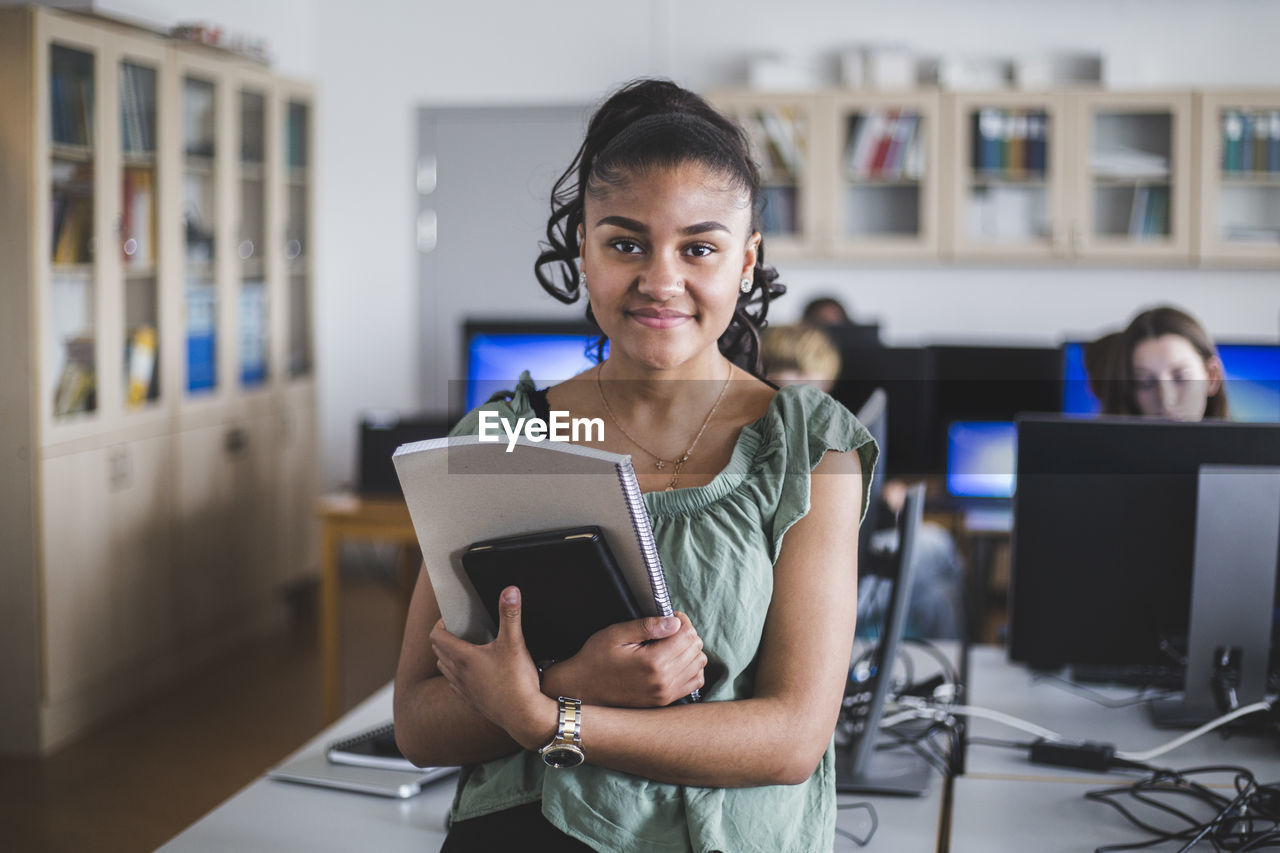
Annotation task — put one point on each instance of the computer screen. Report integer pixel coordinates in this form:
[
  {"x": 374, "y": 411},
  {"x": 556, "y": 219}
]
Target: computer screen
[
  {"x": 1252, "y": 377},
  {"x": 496, "y": 352},
  {"x": 980, "y": 458},
  {"x": 1104, "y": 530},
  {"x": 906, "y": 376}
]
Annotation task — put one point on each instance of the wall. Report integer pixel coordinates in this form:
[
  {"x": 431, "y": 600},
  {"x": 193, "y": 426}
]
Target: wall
[{"x": 377, "y": 61}]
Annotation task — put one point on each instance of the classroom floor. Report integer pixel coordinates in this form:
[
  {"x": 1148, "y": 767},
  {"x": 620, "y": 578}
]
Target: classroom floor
[{"x": 147, "y": 775}]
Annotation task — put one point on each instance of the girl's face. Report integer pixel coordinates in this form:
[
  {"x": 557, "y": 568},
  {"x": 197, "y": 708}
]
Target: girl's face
[
  {"x": 1171, "y": 380},
  {"x": 664, "y": 255}
]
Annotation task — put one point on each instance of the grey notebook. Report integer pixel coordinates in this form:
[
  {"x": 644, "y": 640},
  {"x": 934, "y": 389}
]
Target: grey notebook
[{"x": 319, "y": 770}]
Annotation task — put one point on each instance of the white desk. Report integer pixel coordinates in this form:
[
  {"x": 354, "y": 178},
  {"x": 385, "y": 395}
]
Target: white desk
[
  {"x": 269, "y": 815},
  {"x": 1004, "y": 802}
]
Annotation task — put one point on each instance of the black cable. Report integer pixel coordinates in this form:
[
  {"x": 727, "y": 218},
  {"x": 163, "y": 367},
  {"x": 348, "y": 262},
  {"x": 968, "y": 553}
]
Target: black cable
[
  {"x": 1248, "y": 821},
  {"x": 871, "y": 813}
]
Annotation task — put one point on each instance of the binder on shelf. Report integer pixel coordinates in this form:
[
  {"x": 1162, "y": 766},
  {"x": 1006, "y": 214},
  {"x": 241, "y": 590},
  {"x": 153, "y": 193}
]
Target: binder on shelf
[
  {"x": 1232, "y": 129},
  {"x": 461, "y": 490},
  {"x": 1261, "y": 138},
  {"x": 1273, "y": 146}
]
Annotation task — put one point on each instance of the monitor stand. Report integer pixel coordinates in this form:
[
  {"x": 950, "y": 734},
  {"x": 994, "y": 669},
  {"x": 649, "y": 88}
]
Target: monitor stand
[
  {"x": 898, "y": 771},
  {"x": 1237, "y": 547}
]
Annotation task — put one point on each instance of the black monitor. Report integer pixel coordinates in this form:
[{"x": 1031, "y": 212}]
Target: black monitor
[
  {"x": 1104, "y": 532},
  {"x": 906, "y": 376},
  {"x": 992, "y": 383},
  {"x": 873, "y": 415}
]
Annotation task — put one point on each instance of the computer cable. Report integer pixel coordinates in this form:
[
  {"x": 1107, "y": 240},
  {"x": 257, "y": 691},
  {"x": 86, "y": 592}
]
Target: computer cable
[
  {"x": 1250, "y": 820},
  {"x": 948, "y": 669},
  {"x": 871, "y": 813}
]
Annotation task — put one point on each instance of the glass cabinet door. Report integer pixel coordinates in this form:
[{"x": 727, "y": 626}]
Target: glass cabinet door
[
  {"x": 885, "y": 200},
  {"x": 1133, "y": 175},
  {"x": 199, "y": 203},
  {"x": 1240, "y": 178},
  {"x": 72, "y": 307},
  {"x": 781, "y": 132},
  {"x": 297, "y": 236},
  {"x": 1008, "y": 162},
  {"x": 251, "y": 241},
  {"x": 137, "y": 232}
]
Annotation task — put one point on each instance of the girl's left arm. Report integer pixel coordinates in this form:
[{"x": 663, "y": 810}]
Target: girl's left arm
[{"x": 779, "y": 735}]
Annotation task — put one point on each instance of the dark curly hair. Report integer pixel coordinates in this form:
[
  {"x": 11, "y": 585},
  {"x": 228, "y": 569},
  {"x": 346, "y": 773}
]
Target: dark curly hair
[{"x": 648, "y": 124}]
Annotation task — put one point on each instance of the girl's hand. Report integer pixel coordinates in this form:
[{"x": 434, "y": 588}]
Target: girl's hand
[
  {"x": 644, "y": 663},
  {"x": 499, "y": 679}
]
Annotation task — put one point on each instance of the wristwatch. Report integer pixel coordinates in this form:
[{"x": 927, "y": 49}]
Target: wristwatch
[{"x": 565, "y": 749}]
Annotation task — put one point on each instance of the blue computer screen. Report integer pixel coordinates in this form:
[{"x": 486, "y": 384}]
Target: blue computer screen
[
  {"x": 1252, "y": 374},
  {"x": 981, "y": 458},
  {"x": 496, "y": 359}
]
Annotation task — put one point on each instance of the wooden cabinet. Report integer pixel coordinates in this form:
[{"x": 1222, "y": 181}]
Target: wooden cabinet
[
  {"x": 159, "y": 449},
  {"x": 1238, "y": 211},
  {"x": 884, "y": 200},
  {"x": 1148, "y": 177}
]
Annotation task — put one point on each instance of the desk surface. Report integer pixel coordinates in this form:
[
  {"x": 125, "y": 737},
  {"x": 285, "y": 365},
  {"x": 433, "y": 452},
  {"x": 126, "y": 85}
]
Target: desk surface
[{"x": 270, "y": 815}]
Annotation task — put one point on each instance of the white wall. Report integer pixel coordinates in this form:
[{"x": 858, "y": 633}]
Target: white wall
[{"x": 377, "y": 61}]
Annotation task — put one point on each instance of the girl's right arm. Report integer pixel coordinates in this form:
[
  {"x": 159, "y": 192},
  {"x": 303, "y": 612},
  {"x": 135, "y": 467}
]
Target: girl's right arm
[{"x": 435, "y": 726}]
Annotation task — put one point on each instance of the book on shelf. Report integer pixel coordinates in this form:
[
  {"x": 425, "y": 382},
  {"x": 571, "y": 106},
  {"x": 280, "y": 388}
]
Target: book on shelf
[
  {"x": 138, "y": 223},
  {"x": 1273, "y": 144},
  {"x": 140, "y": 358},
  {"x": 73, "y": 225},
  {"x": 863, "y": 142},
  {"x": 1037, "y": 143},
  {"x": 881, "y": 144},
  {"x": 77, "y": 386},
  {"x": 781, "y": 134},
  {"x": 1232, "y": 131},
  {"x": 1138, "y": 211}
]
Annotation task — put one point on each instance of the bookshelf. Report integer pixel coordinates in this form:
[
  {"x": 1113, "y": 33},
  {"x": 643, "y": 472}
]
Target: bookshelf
[
  {"x": 1056, "y": 176},
  {"x": 884, "y": 202},
  {"x": 1239, "y": 177},
  {"x": 789, "y": 138},
  {"x": 154, "y": 201}
]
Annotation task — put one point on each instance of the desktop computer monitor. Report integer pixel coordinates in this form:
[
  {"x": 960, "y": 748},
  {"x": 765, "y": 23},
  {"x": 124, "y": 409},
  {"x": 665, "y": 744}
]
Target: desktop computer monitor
[
  {"x": 905, "y": 374},
  {"x": 1252, "y": 377},
  {"x": 1104, "y": 532},
  {"x": 980, "y": 459},
  {"x": 497, "y": 351}
]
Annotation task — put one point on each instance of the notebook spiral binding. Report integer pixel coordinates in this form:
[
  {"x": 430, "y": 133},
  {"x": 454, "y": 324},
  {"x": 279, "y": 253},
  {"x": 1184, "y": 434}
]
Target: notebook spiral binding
[
  {"x": 361, "y": 736},
  {"x": 648, "y": 548}
]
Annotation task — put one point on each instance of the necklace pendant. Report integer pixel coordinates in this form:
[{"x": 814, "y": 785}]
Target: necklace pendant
[
  {"x": 670, "y": 488},
  {"x": 659, "y": 464}
]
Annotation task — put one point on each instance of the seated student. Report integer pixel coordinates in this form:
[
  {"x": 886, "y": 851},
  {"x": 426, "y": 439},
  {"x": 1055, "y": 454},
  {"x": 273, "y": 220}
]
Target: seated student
[
  {"x": 1165, "y": 365},
  {"x": 754, "y": 494},
  {"x": 798, "y": 354}
]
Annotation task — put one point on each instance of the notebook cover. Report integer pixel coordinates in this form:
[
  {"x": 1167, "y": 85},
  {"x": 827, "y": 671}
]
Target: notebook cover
[{"x": 570, "y": 586}]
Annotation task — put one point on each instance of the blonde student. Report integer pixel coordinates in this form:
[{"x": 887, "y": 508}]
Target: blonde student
[{"x": 753, "y": 492}]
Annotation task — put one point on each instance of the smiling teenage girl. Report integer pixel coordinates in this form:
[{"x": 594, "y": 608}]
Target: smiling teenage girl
[{"x": 754, "y": 494}]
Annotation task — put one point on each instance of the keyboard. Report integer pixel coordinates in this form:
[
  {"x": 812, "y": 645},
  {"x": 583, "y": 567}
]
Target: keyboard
[{"x": 1166, "y": 676}]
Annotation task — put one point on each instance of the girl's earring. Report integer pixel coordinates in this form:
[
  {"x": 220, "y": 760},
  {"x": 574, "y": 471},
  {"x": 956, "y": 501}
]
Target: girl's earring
[
  {"x": 745, "y": 285},
  {"x": 582, "y": 278}
]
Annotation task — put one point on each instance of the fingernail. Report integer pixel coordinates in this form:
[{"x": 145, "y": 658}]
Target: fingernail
[
  {"x": 670, "y": 623},
  {"x": 511, "y": 595}
]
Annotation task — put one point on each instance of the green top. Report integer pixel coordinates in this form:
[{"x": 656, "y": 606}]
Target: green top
[{"x": 718, "y": 544}]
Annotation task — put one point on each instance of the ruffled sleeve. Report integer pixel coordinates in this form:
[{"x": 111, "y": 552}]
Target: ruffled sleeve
[{"x": 803, "y": 424}]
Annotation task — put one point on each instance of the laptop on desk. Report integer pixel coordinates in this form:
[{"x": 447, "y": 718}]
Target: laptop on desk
[{"x": 981, "y": 457}]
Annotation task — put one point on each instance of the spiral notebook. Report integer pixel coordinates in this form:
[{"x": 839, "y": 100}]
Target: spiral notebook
[{"x": 462, "y": 491}]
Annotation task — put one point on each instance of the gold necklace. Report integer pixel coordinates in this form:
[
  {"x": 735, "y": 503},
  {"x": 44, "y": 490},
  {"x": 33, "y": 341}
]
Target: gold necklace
[{"x": 678, "y": 463}]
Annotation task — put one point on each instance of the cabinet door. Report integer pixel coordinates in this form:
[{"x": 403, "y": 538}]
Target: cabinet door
[
  {"x": 253, "y": 232},
  {"x": 298, "y": 533},
  {"x": 140, "y": 548},
  {"x": 73, "y": 384},
  {"x": 107, "y": 554},
  {"x": 1007, "y": 180},
  {"x": 788, "y": 140},
  {"x": 297, "y": 242},
  {"x": 226, "y": 506},
  {"x": 885, "y": 170},
  {"x": 1133, "y": 176},
  {"x": 1239, "y": 178},
  {"x": 140, "y": 100},
  {"x": 76, "y": 535}
]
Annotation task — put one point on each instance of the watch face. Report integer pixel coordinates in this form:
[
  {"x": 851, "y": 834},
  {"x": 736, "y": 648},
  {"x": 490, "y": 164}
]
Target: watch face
[{"x": 563, "y": 755}]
